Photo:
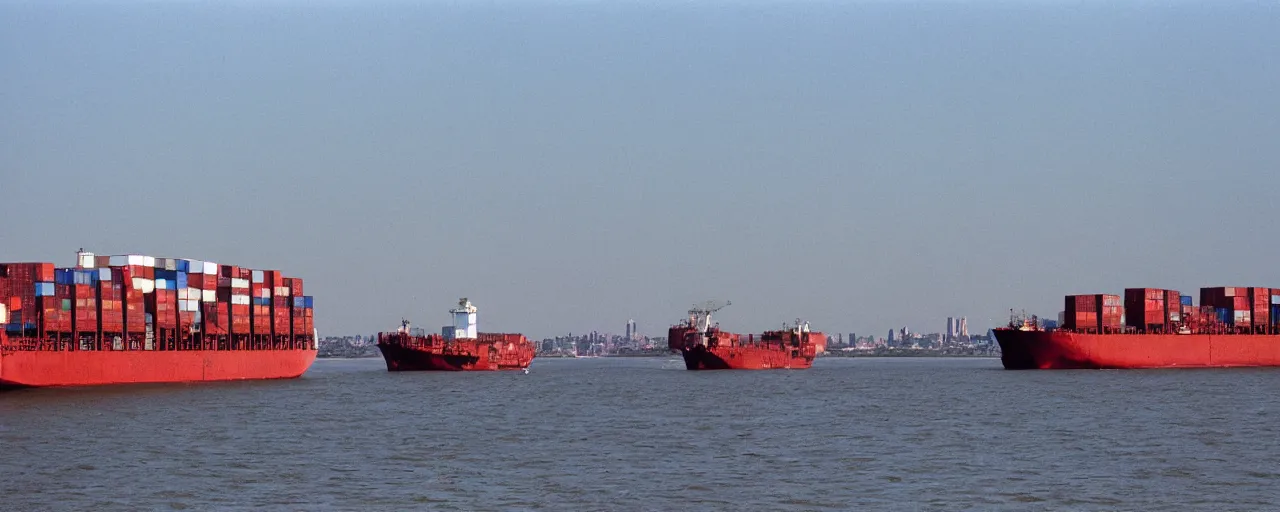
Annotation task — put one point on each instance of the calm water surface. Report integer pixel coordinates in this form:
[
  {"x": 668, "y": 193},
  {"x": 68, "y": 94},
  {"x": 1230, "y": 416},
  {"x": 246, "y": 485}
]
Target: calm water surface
[{"x": 645, "y": 434}]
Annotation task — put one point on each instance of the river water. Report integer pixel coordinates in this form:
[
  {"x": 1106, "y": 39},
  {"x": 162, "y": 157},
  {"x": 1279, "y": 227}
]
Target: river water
[{"x": 645, "y": 434}]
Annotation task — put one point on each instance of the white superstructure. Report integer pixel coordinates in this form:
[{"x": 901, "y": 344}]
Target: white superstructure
[{"x": 464, "y": 321}]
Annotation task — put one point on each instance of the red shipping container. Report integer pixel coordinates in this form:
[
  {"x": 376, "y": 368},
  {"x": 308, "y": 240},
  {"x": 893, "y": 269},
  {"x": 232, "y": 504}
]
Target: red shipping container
[
  {"x": 261, "y": 320},
  {"x": 281, "y": 325},
  {"x": 215, "y": 319},
  {"x": 1085, "y": 312},
  {"x": 186, "y": 320},
  {"x": 52, "y": 317},
  {"x": 162, "y": 305},
  {"x": 240, "y": 319},
  {"x": 135, "y": 310},
  {"x": 299, "y": 321},
  {"x": 296, "y": 286}
]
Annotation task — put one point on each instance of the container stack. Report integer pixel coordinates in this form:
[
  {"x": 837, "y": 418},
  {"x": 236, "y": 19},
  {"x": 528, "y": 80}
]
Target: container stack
[
  {"x": 110, "y": 307},
  {"x": 1232, "y": 305},
  {"x": 21, "y": 283},
  {"x": 1260, "y": 306},
  {"x": 1148, "y": 308},
  {"x": 1275, "y": 307},
  {"x": 1093, "y": 313},
  {"x": 135, "y": 302}
]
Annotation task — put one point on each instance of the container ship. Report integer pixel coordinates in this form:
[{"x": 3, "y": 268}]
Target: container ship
[
  {"x": 457, "y": 348},
  {"x": 1151, "y": 328},
  {"x": 705, "y": 347},
  {"x": 139, "y": 319}
]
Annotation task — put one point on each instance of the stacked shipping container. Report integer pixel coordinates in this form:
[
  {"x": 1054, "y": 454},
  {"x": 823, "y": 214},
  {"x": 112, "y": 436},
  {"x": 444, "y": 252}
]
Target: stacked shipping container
[
  {"x": 1238, "y": 306},
  {"x": 135, "y": 302},
  {"x": 1147, "y": 307},
  {"x": 1093, "y": 313}
]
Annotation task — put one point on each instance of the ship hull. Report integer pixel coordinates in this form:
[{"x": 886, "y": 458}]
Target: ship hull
[
  {"x": 699, "y": 357},
  {"x": 90, "y": 368},
  {"x": 1026, "y": 350},
  {"x": 403, "y": 354}
]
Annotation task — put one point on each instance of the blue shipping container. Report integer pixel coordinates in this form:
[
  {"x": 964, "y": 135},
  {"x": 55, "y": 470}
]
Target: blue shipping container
[
  {"x": 307, "y": 302},
  {"x": 184, "y": 266},
  {"x": 1275, "y": 315},
  {"x": 299, "y": 302},
  {"x": 181, "y": 279},
  {"x": 1224, "y": 316},
  {"x": 44, "y": 289},
  {"x": 86, "y": 277},
  {"x": 64, "y": 276},
  {"x": 1186, "y": 300}
]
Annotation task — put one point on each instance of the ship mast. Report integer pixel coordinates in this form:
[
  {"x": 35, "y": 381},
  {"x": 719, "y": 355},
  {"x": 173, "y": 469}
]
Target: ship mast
[{"x": 700, "y": 316}]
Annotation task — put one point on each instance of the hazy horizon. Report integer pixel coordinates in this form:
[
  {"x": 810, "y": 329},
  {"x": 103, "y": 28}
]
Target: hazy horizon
[{"x": 571, "y": 165}]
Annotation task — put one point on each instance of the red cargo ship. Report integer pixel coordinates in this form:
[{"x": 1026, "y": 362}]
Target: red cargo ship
[
  {"x": 458, "y": 348},
  {"x": 1233, "y": 327},
  {"x": 705, "y": 347},
  {"x": 139, "y": 319}
]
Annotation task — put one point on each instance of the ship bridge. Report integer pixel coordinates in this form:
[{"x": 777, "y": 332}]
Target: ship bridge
[{"x": 464, "y": 322}]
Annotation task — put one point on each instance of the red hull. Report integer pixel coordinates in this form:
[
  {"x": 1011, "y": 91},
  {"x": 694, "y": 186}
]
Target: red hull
[
  {"x": 86, "y": 368},
  {"x": 1027, "y": 350},
  {"x": 744, "y": 358},
  {"x": 719, "y": 350},
  {"x": 489, "y": 352}
]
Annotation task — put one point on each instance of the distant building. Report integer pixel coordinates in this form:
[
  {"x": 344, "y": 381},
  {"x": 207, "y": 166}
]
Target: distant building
[
  {"x": 890, "y": 336},
  {"x": 951, "y": 329}
]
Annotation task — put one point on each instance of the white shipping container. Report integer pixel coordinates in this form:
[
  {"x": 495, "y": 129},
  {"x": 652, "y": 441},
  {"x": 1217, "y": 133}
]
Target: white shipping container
[
  {"x": 4, "y": 314},
  {"x": 162, "y": 284},
  {"x": 209, "y": 296},
  {"x": 148, "y": 261},
  {"x": 211, "y": 268},
  {"x": 258, "y": 277},
  {"x": 283, "y": 291},
  {"x": 240, "y": 283},
  {"x": 195, "y": 306},
  {"x": 193, "y": 294},
  {"x": 265, "y": 293},
  {"x": 148, "y": 286},
  {"x": 182, "y": 294},
  {"x": 128, "y": 260},
  {"x": 240, "y": 300},
  {"x": 86, "y": 260}
]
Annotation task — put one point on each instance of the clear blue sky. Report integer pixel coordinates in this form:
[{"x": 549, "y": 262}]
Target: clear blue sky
[{"x": 571, "y": 165}]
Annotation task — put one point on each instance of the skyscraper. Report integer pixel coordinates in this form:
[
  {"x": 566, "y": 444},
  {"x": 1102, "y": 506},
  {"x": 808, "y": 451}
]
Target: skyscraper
[
  {"x": 951, "y": 329},
  {"x": 964, "y": 327}
]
